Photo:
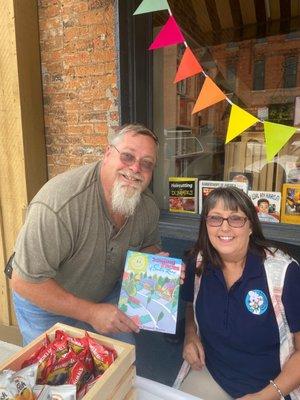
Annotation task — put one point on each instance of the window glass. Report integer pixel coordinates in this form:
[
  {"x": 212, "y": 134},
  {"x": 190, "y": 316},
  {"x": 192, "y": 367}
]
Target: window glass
[
  {"x": 255, "y": 64},
  {"x": 290, "y": 72},
  {"x": 259, "y": 75}
]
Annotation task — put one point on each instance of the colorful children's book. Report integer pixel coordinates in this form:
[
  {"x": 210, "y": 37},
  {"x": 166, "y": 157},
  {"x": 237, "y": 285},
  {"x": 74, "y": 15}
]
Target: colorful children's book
[
  {"x": 205, "y": 187},
  {"x": 150, "y": 291},
  {"x": 267, "y": 205},
  {"x": 183, "y": 195},
  {"x": 290, "y": 208}
]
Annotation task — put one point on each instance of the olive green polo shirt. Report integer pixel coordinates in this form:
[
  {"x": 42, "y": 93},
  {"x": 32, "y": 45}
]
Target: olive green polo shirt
[{"x": 68, "y": 235}]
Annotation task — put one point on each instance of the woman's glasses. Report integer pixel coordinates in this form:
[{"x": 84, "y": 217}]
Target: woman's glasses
[
  {"x": 129, "y": 159},
  {"x": 235, "y": 221}
]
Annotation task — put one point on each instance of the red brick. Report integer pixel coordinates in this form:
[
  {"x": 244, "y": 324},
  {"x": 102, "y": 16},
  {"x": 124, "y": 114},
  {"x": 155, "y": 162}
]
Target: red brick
[{"x": 79, "y": 79}]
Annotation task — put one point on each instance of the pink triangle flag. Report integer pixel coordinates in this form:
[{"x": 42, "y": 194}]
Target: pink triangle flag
[
  {"x": 188, "y": 66},
  {"x": 170, "y": 34}
]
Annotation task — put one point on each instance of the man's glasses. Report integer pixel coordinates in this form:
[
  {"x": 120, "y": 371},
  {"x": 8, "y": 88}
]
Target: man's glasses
[
  {"x": 235, "y": 221},
  {"x": 129, "y": 159}
]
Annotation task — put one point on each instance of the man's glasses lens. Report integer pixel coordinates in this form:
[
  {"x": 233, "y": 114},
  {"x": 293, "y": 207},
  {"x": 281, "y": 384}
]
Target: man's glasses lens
[
  {"x": 129, "y": 159},
  {"x": 233, "y": 220}
]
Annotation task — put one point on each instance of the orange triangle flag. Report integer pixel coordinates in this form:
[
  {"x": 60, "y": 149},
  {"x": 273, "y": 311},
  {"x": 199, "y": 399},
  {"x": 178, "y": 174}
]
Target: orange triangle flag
[
  {"x": 210, "y": 94},
  {"x": 189, "y": 66}
]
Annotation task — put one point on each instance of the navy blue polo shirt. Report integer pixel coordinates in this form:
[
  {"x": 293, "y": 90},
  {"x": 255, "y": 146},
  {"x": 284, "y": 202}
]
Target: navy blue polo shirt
[{"x": 238, "y": 327}]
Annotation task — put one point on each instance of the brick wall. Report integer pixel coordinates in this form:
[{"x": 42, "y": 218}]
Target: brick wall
[{"x": 78, "y": 56}]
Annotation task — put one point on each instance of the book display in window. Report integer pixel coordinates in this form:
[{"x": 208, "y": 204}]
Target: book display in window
[
  {"x": 246, "y": 177},
  {"x": 290, "y": 206},
  {"x": 150, "y": 291},
  {"x": 183, "y": 195},
  {"x": 205, "y": 187},
  {"x": 267, "y": 205}
]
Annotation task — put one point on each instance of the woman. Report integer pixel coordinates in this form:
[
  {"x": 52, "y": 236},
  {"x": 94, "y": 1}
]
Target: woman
[{"x": 243, "y": 280}]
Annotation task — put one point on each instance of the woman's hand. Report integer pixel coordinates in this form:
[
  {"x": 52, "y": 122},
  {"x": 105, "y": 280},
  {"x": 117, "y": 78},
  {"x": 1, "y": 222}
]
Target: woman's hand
[
  {"x": 182, "y": 272},
  {"x": 193, "y": 351}
]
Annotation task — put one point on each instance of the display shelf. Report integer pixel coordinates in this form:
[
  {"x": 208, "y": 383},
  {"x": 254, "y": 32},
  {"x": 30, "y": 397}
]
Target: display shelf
[{"x": 179, "y": 226}]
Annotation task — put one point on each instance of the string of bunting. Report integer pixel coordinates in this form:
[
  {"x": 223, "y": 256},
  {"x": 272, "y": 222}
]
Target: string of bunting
[{"x": 276, "y": 135}]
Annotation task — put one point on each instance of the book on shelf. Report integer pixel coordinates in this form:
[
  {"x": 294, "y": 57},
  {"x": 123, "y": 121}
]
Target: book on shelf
[
  {"x": 150, "y": 291},
  {"x": 267, "y": 204},
  {"x": 237, "y": 176},
  {"x": 290, "y": 205},
  {"x": 205, "y": 187},
  {"x": 183, "y": 194}
]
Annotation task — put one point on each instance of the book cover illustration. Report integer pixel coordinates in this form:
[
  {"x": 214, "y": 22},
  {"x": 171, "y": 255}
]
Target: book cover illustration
[
  {"x": 150, "y": 291},
  {"x": 183, "y": 195},
  {"x": 205, "y": 187},
  {"x": 290, "y": 207},
  {"x": 246, "y": 177},
  {"x": 267, "y": 205}
]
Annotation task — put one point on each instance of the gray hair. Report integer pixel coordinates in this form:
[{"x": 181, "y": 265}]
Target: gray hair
[{"x": 138, "y": 129}]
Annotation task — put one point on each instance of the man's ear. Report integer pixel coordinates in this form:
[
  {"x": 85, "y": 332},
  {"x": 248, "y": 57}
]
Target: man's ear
[{"x": 107, "y": 151}]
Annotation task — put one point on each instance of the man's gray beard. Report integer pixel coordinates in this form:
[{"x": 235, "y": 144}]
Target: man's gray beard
[{"x": 125, "y": 199}]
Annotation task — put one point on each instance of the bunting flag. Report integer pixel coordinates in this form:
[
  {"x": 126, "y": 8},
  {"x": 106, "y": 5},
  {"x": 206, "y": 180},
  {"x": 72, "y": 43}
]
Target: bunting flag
[
  {"x": 276, "y": 136},
  {"x": 239, "y": 121},
  {"x": 210, "y": 94},
  {"x": 170, "y": 34},
  {"x": 188, "y": 66},
  {"x": 151, "y": 5}
]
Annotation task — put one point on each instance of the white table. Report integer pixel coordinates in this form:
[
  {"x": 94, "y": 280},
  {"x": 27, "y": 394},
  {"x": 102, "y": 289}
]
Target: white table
[{"x": 146, "y": 388}]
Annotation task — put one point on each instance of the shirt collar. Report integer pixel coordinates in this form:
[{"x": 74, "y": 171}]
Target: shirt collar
[{"x": 253, "y": 267}]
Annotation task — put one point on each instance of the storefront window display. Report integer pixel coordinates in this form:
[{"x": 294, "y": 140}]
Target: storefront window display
[{"x": 252, "y": 54}]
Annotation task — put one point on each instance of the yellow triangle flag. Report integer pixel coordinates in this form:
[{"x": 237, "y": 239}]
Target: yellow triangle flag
[
  {"x": 209, "y": 94},
  {"x": 276, "y": 136},
  {"x": 239, "y": 121}
]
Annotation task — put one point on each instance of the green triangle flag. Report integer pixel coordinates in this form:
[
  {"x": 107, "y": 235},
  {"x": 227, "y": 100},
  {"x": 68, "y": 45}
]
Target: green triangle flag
[
  {"x": 239, "y": 121},
  {"x": 151, "y": 5},
  {"x": 276, "y": 136}
]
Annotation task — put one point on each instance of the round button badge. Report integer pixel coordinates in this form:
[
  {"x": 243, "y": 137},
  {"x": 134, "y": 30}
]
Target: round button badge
[{"x": 256, "y": 302}]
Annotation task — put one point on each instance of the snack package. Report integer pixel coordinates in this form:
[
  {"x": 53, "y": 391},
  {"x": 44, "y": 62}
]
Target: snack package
[
  {"x": 42, "y": 392},
  {"x": 70, "y": 360},
  {"x": 24, "y": 381},
  {"x": 65, "y": 392},
  {"x": 102, "y": 356},
  {"x": 7, "y": 390}
]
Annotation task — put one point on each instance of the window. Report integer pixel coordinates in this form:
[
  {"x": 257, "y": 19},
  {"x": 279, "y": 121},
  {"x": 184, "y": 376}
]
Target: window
[
  {"x": 231, "y": 76},
  {"x": 290, "y": 72},
  {"x": 259, "y": 75},
  {"x": 247, "y": 68}
]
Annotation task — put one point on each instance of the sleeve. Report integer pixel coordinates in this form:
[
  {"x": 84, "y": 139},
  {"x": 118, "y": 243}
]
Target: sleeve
[
  {"x": 42, "y": 245},
  {"x": 291, "y": 296},
  {"x": 187, "y": 289}
]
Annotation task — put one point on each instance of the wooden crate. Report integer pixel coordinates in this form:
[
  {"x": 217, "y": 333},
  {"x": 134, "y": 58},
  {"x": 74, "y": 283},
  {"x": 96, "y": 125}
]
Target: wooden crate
[
  {"x": 117, "y": 381},
  {"x": 249, "y": 155}
]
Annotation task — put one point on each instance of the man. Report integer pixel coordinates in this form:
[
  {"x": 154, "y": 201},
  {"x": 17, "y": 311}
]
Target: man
[{"x": 70, "y": 253}]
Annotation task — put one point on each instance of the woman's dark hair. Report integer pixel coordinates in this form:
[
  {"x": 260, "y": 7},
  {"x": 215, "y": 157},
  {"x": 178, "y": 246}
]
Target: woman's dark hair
[{"x": 234, "y": 199}]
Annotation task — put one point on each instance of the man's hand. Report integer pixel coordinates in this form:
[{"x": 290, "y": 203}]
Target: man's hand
[
  {"x": 107, "y": 318},
  {"x": 182, "y": 274},
  {"x": 193, "y": 351}
]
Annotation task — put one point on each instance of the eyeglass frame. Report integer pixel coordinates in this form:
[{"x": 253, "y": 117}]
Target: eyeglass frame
[
  {"x": 134, "y": 160},
  {"x": 226, "y": 219}
]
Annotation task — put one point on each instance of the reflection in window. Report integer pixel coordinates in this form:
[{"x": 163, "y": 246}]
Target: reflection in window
[
  {"x": 248, "y": 68},
  {"x": 290, "y": 72},
  {"x": 259, "y": 75},
  {"x": 231, "y": 76}
]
